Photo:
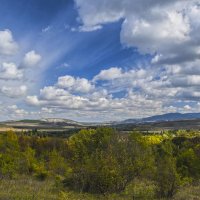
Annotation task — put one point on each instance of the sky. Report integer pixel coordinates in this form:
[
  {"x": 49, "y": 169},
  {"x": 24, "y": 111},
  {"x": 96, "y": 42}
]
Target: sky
[{"x": 98, "y": 60}]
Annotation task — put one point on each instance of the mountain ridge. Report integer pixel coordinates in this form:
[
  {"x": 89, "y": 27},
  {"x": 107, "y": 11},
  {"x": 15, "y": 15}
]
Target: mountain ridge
[
  {"x": 164, "y": 117},
  {"x": 154, "y": 118}
]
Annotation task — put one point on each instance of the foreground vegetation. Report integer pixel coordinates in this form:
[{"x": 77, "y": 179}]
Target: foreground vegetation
[{"x": 100, "y": 164}]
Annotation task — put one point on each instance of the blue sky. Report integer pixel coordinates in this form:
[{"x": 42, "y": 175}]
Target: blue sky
[{"x": 98, "y": 60}]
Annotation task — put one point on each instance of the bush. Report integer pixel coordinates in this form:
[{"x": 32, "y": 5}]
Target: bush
[
  {"x": 40, "y": 172},
  {"x": 141, "y": 189},
  {"x": 41, "y": 175},
  {"x": 167, "y": 177}
]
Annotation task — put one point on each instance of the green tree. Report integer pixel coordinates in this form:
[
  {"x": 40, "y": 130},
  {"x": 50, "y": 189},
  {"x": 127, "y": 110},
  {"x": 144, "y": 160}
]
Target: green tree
[{"x": 167, "y": 177}]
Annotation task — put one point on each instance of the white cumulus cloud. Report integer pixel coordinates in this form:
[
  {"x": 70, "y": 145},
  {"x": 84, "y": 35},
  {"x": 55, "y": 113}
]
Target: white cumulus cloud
[
  {"x": 14, "y": 92},
  {"x": 75, "y": 84},
  {"x": 167, "y": 28},
  {"x": 10, "y": 71},
  {"x": 31, "y": 59},
  {"x": 7, "y": 44}
]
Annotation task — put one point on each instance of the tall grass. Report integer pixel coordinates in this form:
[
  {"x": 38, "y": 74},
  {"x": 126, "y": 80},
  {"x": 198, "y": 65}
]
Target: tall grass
[{"x": 27, "y": 188}]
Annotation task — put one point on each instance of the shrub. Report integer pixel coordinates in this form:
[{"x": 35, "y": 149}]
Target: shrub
[{"x": 141, "y": 189}]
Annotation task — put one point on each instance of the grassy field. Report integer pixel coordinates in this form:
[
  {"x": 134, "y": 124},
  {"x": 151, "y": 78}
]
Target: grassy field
[
  {"x": 188, "y": 193},
  {"x": 27, "y": 188}
]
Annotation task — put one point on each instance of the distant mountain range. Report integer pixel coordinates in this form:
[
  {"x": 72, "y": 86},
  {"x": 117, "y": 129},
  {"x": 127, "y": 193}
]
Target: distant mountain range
[
  {"x": 164, "y": 117},
  {"x": 58, "y": 123}
]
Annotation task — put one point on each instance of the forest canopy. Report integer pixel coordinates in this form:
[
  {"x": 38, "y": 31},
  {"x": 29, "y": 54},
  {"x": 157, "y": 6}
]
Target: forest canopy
[{"x": 105, "y": 162}]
